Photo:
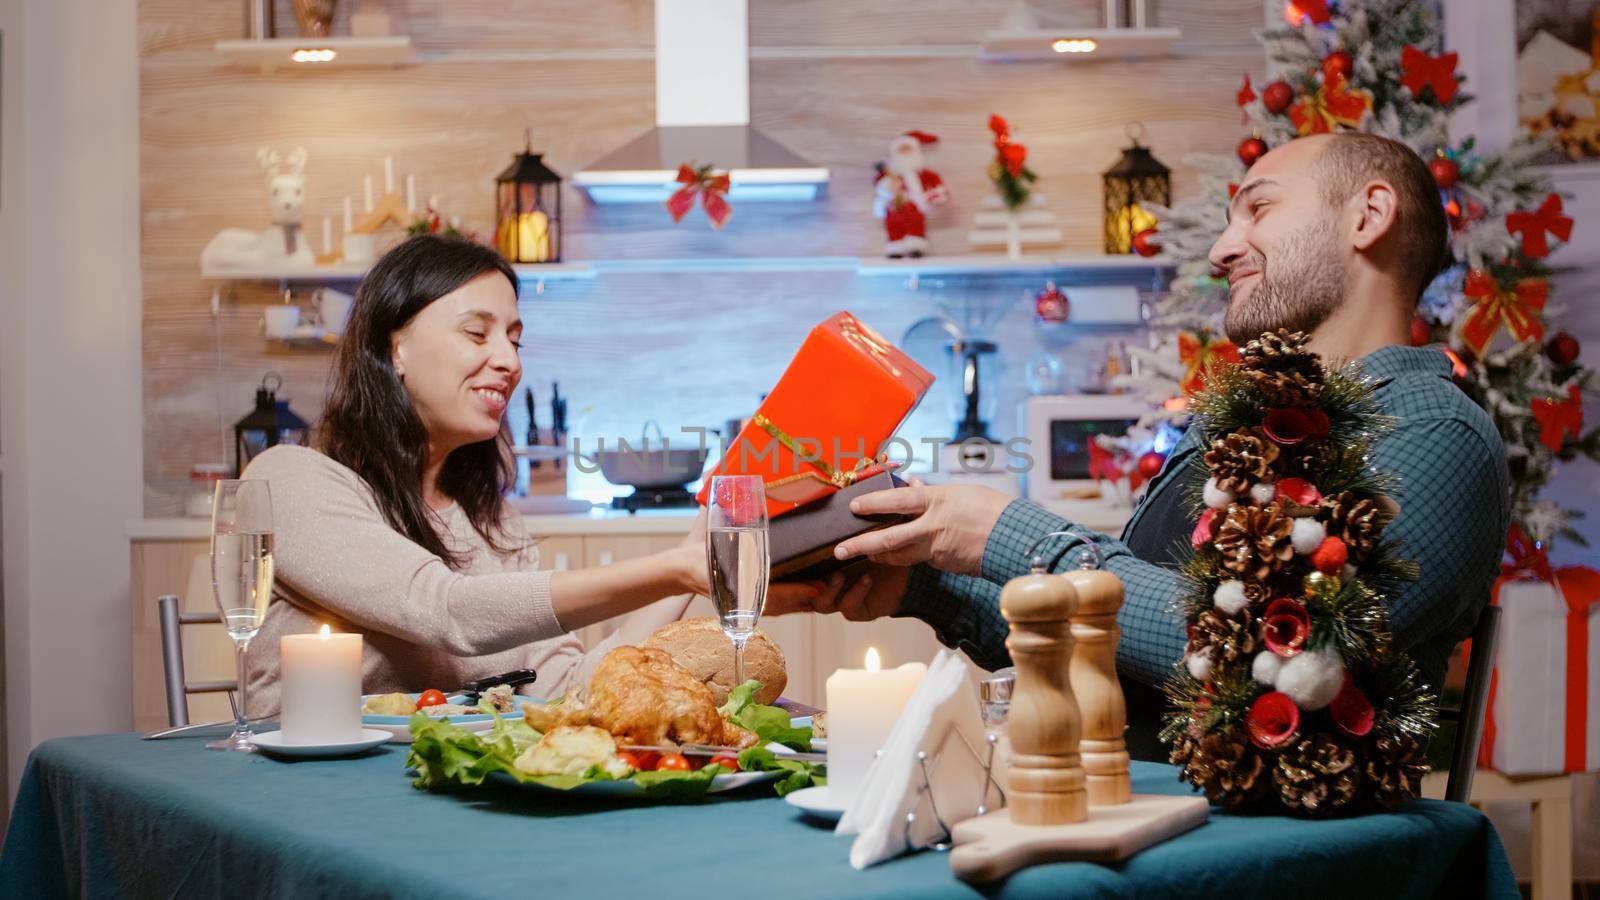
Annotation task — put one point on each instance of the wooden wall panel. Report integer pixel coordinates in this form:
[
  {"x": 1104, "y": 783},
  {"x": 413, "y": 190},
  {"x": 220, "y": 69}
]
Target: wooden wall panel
[{"x": 455, "y": 117}]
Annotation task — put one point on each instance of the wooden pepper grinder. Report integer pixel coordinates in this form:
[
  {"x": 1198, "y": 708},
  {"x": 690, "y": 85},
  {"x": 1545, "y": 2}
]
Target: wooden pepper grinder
[
  {"x": 1094, "y": 679},
  {"x": 1046, "y": 779}
]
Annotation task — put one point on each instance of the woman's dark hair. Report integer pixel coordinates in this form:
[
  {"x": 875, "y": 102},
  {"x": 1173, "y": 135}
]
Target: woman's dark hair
[{"x": 369, "y": 423}]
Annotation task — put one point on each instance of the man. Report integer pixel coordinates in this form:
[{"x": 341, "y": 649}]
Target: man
[{"x": 1335, "y": 236}]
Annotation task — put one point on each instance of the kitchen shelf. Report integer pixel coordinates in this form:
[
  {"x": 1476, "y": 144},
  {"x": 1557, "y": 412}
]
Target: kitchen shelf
[
  {"x": 1028, "y": 264},
  {"x": 270, "y": 54},
  {"x": 325, "y": 274}
]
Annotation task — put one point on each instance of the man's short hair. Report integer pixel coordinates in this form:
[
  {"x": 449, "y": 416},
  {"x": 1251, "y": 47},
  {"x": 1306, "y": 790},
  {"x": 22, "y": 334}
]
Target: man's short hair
[{"x": 1353, "y": 158}]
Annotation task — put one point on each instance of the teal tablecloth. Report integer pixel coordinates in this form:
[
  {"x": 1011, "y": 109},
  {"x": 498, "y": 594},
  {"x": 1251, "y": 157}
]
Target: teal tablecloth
[{"x": 116, "y": 816}]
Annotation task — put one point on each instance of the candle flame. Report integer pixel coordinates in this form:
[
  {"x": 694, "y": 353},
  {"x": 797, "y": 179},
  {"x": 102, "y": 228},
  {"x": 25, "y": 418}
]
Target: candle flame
[
  {"x": 873, "y": 663},
  {"x": 324, "y": 632}
]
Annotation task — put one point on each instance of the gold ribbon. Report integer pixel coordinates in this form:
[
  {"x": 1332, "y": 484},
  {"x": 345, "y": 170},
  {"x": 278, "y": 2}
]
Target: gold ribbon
[
  {"x": 861, "y": 334},
  {"x": 839, "y": 478}
]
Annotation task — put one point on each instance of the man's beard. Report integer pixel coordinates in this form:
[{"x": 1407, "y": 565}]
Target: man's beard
[{"x": 1302, "y": 288}]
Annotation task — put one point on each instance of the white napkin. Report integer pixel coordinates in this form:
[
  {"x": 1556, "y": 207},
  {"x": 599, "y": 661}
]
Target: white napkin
[{"x": 942, "y": 712}]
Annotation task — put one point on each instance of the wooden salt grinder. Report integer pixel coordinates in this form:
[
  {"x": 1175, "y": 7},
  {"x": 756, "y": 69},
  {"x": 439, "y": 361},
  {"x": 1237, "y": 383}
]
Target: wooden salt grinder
[
  {"x": 1046, "y": 779},
  {"x": 1095, "y": 685}
]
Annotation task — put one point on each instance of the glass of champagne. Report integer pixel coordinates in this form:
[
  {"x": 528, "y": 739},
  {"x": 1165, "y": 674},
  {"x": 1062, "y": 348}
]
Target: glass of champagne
[
  {"x": 736, "y": 555},
  {"x": 241, "y": 580}
]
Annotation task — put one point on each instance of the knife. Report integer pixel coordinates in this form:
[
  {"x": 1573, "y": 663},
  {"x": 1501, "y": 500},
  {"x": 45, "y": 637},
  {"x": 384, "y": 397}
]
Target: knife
[
  {"x": 473, "y": 690},
  {"x": 533, "y": 427},
  {"x": 710, "y": 750}
]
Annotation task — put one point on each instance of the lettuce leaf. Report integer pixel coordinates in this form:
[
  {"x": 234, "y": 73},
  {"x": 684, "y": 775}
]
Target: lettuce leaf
[
  {"x": 770, "y": 723},
  {"x": 445, "y": 755},
  {"x": 797, "y": 773}
]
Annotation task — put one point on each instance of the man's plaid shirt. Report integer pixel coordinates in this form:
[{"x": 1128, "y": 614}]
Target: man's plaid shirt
[{"x": 1454, "y": 494}]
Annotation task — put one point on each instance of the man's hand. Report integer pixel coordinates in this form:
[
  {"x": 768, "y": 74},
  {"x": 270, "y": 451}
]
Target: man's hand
[
  {"x": 872, "y": 593},
  {"x": 949, "y": 532}
]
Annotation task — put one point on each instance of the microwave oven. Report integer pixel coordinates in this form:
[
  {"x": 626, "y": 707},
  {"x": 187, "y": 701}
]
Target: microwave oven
[{"x": 1059, "y": 429}]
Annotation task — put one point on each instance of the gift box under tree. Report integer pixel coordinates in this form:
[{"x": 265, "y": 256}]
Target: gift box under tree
[{"x": 1544, "y": 695}]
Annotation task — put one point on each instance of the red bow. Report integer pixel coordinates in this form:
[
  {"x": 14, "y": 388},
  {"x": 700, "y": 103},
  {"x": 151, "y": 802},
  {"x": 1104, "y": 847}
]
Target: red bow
[
  {"x": 1331, "y": 105},
  {"x": 1424, "y": 71},
  {"x": 1518, "y": 308},
  {"x": 1529, "y": 561},
  {"x": 1533, "y": 225},
  {"x": 1297, "y": 11},
  {"x": 1010, "y": 155},
  {"x": 711, "y": 189},
  {"x": 1246, "y": 93},
  {"x": 1201, "y": 357},
  {"x": 1559, "y": 417}
]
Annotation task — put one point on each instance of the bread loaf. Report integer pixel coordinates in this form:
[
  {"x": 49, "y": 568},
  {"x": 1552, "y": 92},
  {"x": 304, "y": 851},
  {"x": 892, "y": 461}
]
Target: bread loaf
[{"x": 700, "y": 646}]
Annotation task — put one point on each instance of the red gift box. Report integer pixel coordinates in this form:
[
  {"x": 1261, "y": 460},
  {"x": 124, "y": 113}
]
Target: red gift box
[{"x": 830, "y": 416}]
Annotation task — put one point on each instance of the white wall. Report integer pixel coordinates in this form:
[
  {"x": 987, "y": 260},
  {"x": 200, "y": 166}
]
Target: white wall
[{"x": 69, "y": 363}]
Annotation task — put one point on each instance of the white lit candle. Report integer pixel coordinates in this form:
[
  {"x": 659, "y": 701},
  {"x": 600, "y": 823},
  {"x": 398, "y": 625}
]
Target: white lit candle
[
  {"x": 433, "y": 202},
  {"x": 321, "y": 680},
  {"x": 863, "y": 706},
  {"x": 327, "y": 235},
  {"x": 366, "y": 186},
  {"x": 411, "y": 192},
  {"x": 388, "y": 175},
  {"x": 349, "y": 217}
]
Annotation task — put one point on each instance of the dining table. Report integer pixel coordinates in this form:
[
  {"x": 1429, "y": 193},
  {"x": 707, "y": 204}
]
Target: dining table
[{"x": 117, "y": 816}]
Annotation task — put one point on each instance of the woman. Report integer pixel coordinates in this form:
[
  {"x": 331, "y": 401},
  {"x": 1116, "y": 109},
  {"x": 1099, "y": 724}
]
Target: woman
[{"x": 397, "y": 527}]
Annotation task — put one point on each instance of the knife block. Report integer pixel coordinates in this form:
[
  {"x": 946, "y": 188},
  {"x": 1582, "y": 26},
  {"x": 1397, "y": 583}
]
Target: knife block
[{"x": 548, "y": 477}]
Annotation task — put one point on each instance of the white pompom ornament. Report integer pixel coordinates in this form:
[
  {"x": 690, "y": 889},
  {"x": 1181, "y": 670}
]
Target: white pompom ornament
[
  {"x": 1215, "y": 497},
  {"x": 1312, "y": 679},
  {"x": 1263, "y": 492},
  {"x": 1230, "y": 596},
  {"x": 1307, "y": 536},
  {"x": 1199, "y": 663},
  {"x": 1265, "y": 667}
]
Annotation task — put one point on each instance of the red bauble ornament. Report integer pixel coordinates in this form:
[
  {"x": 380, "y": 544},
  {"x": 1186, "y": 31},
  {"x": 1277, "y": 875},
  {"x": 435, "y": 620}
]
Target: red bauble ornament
[
  {"x": 1252, "y": 149},
  {"x": 1337, "y": 66},
  {"x": 1287, "y": 627},
  {"x": 1562, "y": 349},
  {"x": 1150, "y": 464},
  {"x": 1445, "y": 172},
  {"x": 1330, "y": 557},
  {"x": 1144, "y": 243},
  {"x": 1421, "y": 332},
  {"x": 1276, "y": 97},
  {"x": 1051, "y": 305}
]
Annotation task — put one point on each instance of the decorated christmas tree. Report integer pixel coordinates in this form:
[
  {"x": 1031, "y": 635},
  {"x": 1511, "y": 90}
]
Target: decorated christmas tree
[
  {"x": 1291, "y": 696},
  {"x": 1375, "y": 66}
]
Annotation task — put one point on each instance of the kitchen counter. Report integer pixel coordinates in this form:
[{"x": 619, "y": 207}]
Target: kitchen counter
[{"x": 608, "y": 521}]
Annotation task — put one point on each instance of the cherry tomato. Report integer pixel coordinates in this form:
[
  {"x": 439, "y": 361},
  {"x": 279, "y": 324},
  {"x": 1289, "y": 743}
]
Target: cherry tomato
[
  {"x": 632, "y": 760},
  {"x": 674, "y": 762},
  {"x": 430, "y": 697},
  {"x": 727, "y": 762},
  {"x": 647, "y": 759}
]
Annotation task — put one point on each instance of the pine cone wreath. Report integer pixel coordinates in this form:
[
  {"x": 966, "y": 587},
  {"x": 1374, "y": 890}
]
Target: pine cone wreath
[
  {"x": 1394, "y": 770},
  {"x": 1227, "y": 767},
  {"x": 1255, "y": 541},
  {"x": 1281, "y": 367},
  {"x": 1316, "y": 775},
  {"x": 1358, "y": 521},
  {"x": 1229, "y": 637},
  {"x": 1241, "y": 459}
]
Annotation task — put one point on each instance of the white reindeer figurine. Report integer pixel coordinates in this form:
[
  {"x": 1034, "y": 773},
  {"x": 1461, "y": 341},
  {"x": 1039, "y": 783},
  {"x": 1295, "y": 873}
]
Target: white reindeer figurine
[{"x": 282, "y": 243}]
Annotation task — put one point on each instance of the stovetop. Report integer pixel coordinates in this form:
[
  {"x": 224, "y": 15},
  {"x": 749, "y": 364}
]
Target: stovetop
[{"x": 664, "y": 498}]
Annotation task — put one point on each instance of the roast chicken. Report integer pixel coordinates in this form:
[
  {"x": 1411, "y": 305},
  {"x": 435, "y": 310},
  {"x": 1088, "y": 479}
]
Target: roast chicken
[{"x": 643, "y": 697}]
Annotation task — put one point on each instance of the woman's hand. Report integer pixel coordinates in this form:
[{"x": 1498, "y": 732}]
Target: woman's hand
[{"x": 689, "y": 558}]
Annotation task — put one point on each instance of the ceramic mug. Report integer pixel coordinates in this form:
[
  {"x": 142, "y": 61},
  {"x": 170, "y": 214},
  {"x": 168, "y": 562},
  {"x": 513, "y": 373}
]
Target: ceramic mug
[
  {"x": 280, "y": 321},
  {"x": 358, "y": 249},
  {"x": 334, "y": 309}
]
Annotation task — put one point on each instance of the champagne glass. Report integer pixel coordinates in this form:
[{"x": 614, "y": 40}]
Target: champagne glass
[
  {"x": 241, "y": 580},
  {"x": 736, "y": 554}
]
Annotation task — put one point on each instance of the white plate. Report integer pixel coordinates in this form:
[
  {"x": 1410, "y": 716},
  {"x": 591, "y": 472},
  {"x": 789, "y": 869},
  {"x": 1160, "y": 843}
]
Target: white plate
[
  {"x": 272, "y": 742},
  {"x": 399, "y": 727},
  {"x": 816, "y": 801},
  {"x": 628, "y": 788},
  {"x": 818, "y": 745}
]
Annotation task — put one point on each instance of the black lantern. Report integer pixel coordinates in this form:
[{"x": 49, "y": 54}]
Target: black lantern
[
  {"x": 272, "y": 422},
  {"x": 1137, "y": 180},
  {"x": 527, "y": 225}
]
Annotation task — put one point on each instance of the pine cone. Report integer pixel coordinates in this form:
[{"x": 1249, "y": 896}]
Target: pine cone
[
  {"x": 1394, "y": 770},
  {"x": 1241, "y": 459},
  {"x": 1226, "y": 767},
  {"x": 1358, "y": 521},
  {"x": 1254, "y": 541},
  {"x": 1230, "y": 637},
  {"x": 1279, "y": 365},
  {"x": 1316, "y": 775}
]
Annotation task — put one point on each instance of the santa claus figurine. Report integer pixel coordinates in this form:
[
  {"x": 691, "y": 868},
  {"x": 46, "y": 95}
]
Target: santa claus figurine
[{"x": 904, "y": 192}]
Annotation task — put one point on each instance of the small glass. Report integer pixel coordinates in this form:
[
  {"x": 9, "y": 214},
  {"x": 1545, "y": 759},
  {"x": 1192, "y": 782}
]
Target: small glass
[
  {"x": 241, "y": 581},
  {"x": 994, "y": 696},
  {"x": 736, "y": 558}
]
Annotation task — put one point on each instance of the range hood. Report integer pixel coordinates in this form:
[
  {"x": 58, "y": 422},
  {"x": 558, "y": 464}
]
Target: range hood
[{"x": 702, "y": 117}]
